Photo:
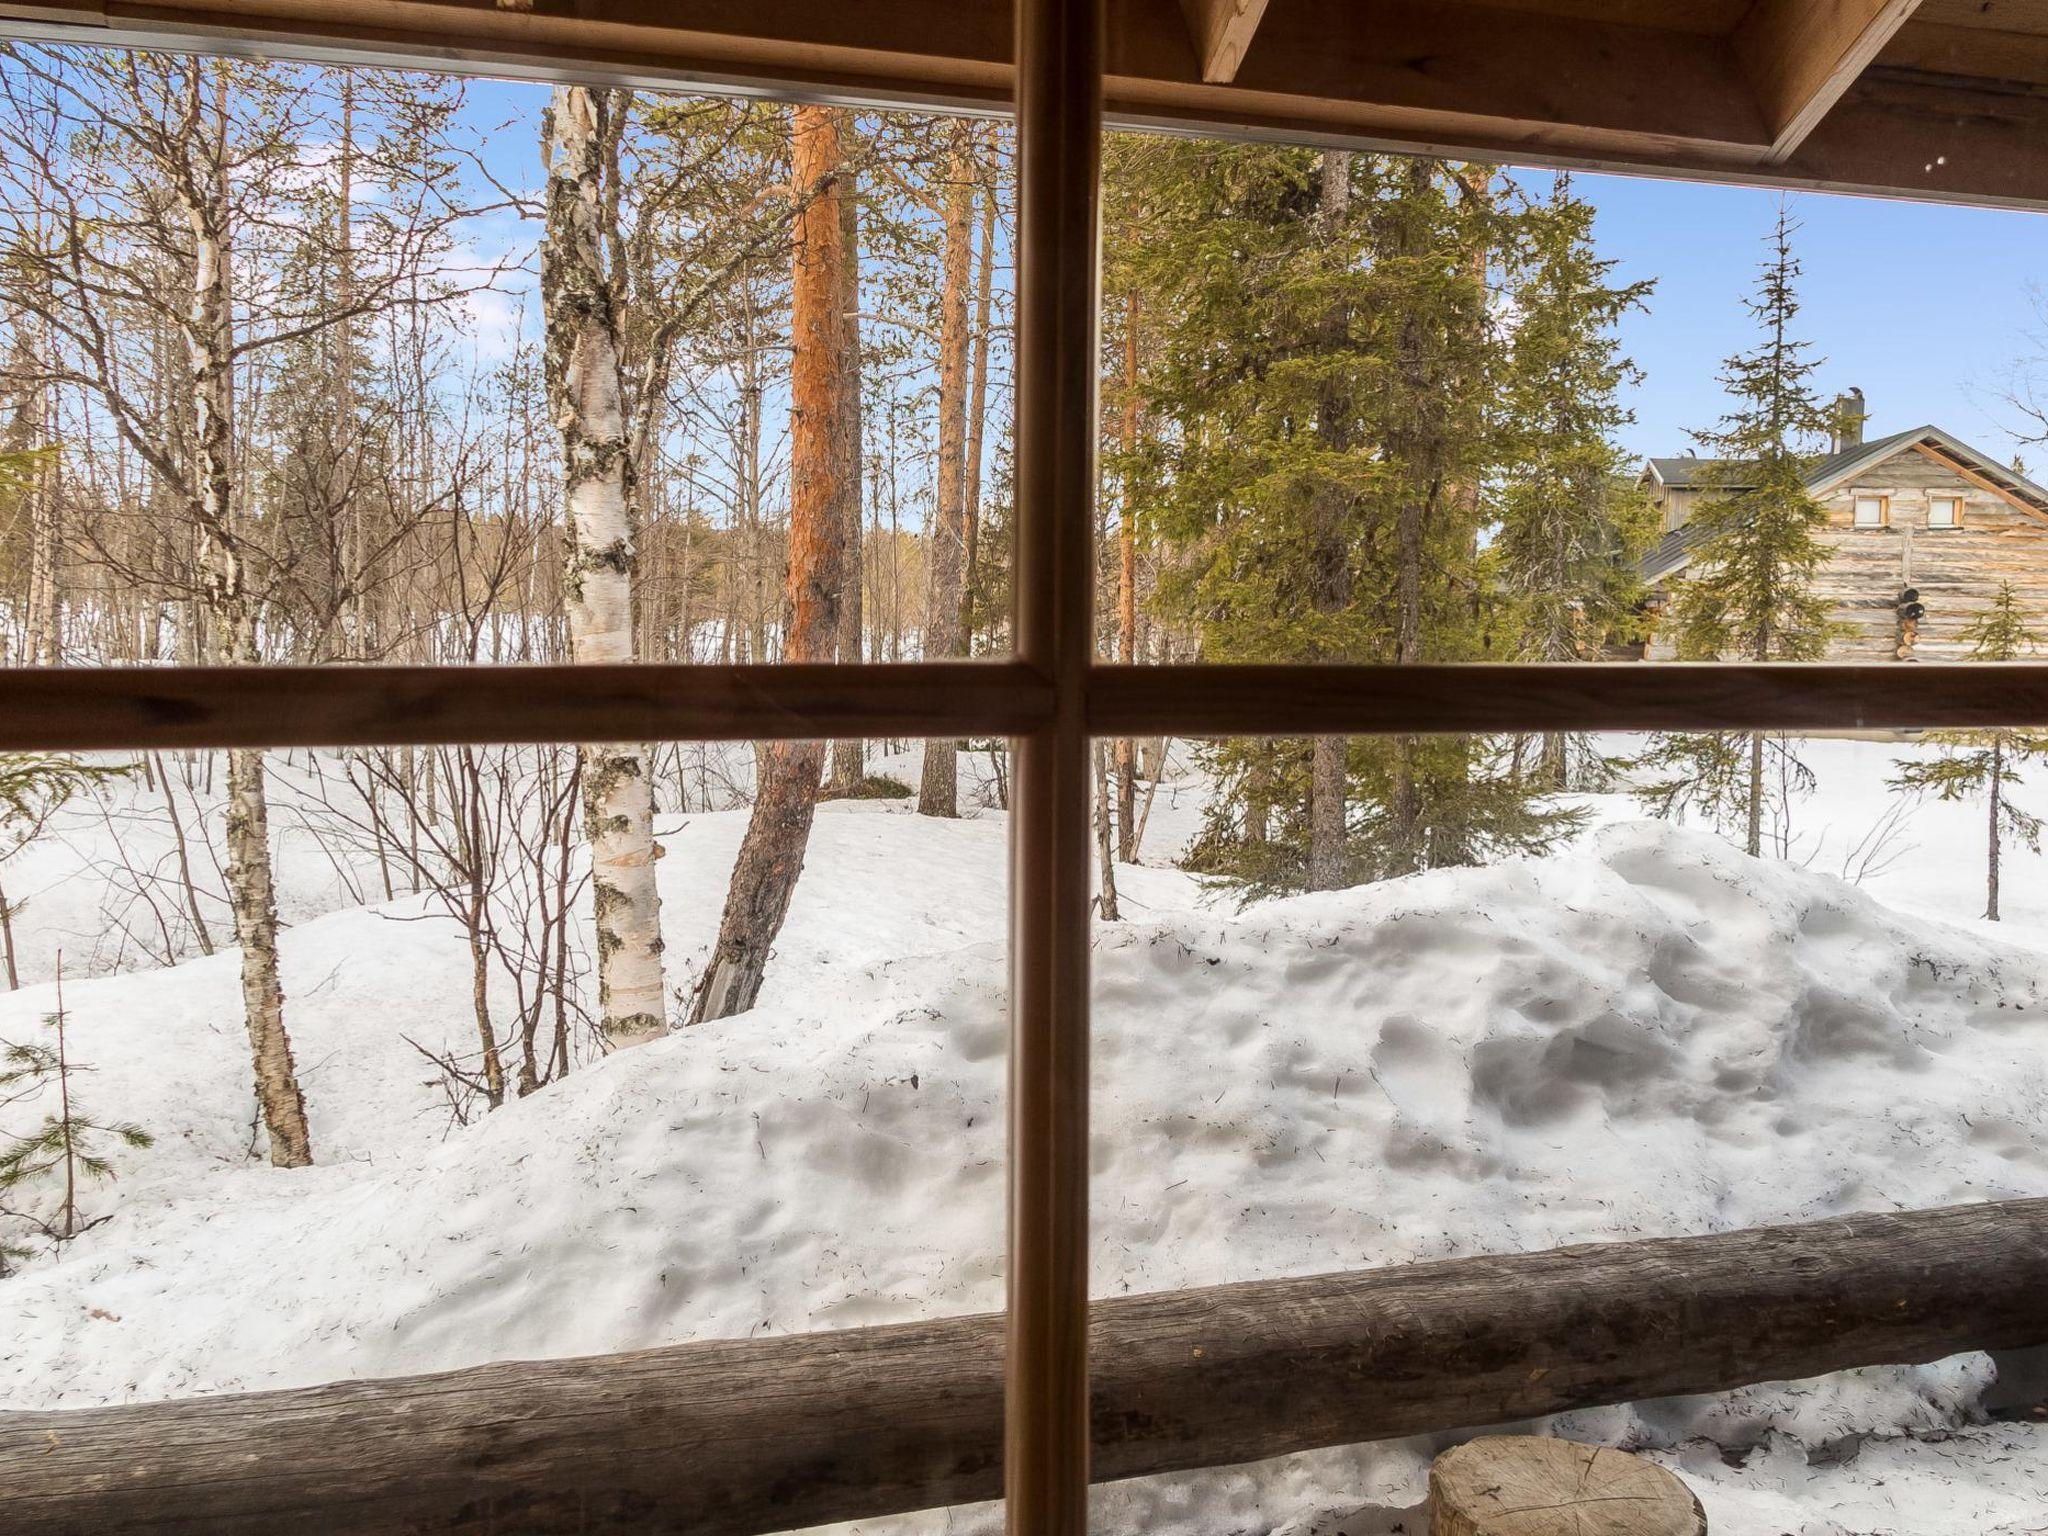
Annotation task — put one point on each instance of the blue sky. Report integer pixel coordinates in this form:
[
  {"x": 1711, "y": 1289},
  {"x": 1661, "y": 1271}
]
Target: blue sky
[{"x": 1926, "y": 308}]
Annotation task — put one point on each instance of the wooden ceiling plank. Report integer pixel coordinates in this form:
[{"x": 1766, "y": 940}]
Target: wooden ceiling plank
[
  {"x": 1803, "y": 55},
  {"x": 1977, "y": 52},
  {"x": 1222, "y": 30}
]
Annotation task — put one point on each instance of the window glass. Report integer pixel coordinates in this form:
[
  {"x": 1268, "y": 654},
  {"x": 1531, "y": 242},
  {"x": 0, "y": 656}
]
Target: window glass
[
  {"x": 1366, "y": 1002},
  {"x": 512, "y": 1045},
  {"x": 1562, "y": 461},
  {"x": 409, "y": 478},
  {"x": 1944, "y": 511}
]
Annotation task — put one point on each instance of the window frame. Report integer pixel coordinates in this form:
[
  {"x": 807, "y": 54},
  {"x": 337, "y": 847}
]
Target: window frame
[
  {"x": 1955, "y": 499},
  {"x": 1884, "y": 508},
  {"x": 1052, "y": 700}
]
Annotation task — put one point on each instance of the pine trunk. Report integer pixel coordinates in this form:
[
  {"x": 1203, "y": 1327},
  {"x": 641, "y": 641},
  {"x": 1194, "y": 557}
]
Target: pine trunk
[
  {"x": 582, "y": 361},
  {"x": 772, "y": 853},
  {"x": 1127, "y": 588},
  {"x": 977, "y": 423},
  {"x": 1754, "y": 838},
  {"x": 1332, "y": 574},
  {"x": 938, "y": 794},
  {"x": 1105, "y": 840},
  {"x": 1327, "y": 844},
  {"x": 849, "y": 758}
]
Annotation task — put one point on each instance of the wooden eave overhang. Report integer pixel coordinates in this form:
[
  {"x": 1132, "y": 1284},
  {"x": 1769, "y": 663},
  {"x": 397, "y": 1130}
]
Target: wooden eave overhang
[{"x": 1924, "y": 98}]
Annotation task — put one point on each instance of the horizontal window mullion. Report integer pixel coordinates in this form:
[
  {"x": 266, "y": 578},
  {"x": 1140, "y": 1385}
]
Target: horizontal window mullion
[
  {"x": 1622, "y": 696},
  {"x": 106, "y": 708}
]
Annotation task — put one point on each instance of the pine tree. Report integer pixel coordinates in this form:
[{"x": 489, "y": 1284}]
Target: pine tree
[
  {"x": 1751, "y": 594},
  {"x": 938, "y": 792},
  {"x": 1319, "y": 402},
  {"x": 69, "y": 1143},
  {"x": 822, "y": 376},
  {"x": 1572, "y": 520},
  {"x": 1987, "y": 763}
]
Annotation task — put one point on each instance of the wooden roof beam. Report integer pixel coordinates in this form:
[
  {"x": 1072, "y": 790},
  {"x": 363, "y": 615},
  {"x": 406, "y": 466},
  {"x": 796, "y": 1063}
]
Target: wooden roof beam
[
  {"x": 1222, "y": 30},
  {"x": 1423, "y": 75},
  {"x": 1801, "y": 56}
]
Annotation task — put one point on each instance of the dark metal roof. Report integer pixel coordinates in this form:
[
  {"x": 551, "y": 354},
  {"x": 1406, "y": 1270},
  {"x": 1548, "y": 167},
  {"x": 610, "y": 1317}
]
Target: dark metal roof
[
  {"x": 1691, "y": 473},
  {"x": 1673, "y": 550}
]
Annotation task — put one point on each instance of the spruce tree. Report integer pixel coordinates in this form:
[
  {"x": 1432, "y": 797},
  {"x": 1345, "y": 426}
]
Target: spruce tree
[
  {"x": 1320, "y": 399},
  {"x": 1986, "y": 763},
  {"x": 1572, "y": 520},
  {"x": 1750, "y": 593}
]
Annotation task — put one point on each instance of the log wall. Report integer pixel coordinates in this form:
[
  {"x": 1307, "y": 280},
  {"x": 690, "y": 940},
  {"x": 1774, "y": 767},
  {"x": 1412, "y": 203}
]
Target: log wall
[{"x": 1956, "y": 571}]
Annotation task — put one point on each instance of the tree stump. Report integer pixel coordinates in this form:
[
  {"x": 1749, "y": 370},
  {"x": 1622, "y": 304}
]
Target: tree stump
[{"x": 1527, "y": 1485}]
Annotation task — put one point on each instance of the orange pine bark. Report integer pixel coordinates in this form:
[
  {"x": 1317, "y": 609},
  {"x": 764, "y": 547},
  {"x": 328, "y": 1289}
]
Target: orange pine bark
[{"x": 771, "y": 855}]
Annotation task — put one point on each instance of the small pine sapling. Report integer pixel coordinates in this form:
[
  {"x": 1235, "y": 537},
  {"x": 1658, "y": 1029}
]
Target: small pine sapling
[
  {"x": 1986, "y": 763},
  {"x": 69, "y": 1146}
]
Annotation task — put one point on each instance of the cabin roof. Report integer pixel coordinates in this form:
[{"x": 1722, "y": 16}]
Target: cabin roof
[{"x": 1827, "y": 475}]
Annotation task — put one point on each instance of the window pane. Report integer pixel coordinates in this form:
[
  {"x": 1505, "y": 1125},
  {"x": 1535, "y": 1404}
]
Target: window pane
[
  {"x": 523, "y": 1140},
  {"x": 1546, "y": 997},
  {"x": 1360, "y": 408},
  {"x": 494, "y": 382}
]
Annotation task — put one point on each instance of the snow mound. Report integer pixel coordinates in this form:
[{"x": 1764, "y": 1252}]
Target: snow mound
[{"x": 1651, "y": 1034}]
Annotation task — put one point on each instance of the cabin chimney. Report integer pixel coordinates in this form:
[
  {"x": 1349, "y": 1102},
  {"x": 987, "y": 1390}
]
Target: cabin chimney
[{"x": 1849, "y": 413}]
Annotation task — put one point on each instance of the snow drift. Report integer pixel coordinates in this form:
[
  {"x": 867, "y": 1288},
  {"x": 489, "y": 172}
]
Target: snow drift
[{"x": 1649, "y": 1035}]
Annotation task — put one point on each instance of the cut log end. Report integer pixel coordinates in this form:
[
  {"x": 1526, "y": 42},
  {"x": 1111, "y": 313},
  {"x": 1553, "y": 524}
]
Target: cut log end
[{"x": 1527, "y": 1485}]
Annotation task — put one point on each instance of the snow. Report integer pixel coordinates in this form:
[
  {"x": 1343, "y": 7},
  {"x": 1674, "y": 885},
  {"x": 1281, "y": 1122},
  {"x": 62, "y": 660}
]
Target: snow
[{"x": 1644, "y": 1034}]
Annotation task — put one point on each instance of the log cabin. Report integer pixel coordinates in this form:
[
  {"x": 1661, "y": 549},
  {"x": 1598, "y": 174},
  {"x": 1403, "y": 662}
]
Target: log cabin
[{"x": 1919, "y": 509}]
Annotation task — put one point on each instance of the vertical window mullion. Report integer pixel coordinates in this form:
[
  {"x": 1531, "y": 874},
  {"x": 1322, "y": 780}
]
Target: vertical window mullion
[{"x": 1059, "y": 88}]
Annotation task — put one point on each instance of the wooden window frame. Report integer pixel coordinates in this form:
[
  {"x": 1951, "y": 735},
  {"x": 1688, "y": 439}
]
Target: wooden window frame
[
  {"x": 1955, "y": 499},
  {"x": 1051, "y": 700},
  {"x": 1884, "y": 508}
]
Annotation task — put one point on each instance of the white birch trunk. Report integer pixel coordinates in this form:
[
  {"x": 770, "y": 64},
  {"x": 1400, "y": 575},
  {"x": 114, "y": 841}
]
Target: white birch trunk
[
  {"x": 585, "y": 391},
  {"x": 251, "y": 891}
]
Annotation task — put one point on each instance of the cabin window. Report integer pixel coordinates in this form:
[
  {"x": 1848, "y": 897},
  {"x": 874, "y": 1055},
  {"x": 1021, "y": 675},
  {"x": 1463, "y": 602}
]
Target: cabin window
[
  {"x": 1872, "y": 510},
  {"x": 1944, "y": 511}
]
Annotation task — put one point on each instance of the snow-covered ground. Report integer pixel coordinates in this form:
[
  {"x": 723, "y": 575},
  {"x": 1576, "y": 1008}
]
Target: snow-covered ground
[{"x": 1646, "y": 1033}]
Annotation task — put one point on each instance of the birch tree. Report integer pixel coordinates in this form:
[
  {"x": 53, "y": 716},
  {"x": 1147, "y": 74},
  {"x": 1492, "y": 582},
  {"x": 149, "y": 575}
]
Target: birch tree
[
  {"x": 586, "y": 393},
  {"x": 193, "y": 152}
]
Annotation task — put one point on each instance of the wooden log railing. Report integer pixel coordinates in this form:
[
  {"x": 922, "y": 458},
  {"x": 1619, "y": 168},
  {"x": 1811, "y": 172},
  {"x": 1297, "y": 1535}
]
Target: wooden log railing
[{"x": 760, "y": 1435}]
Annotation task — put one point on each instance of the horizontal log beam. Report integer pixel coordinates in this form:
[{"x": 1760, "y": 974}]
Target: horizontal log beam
[
  {"x": 108, "y": 708},
  {"x": 1618, "y": 696},
  {"x": 115, "y": 708},
  {"x": 1411, "y": 69},
  {"x": 760, "y": 1435},
  {"x": 1502, "y": 82}
]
